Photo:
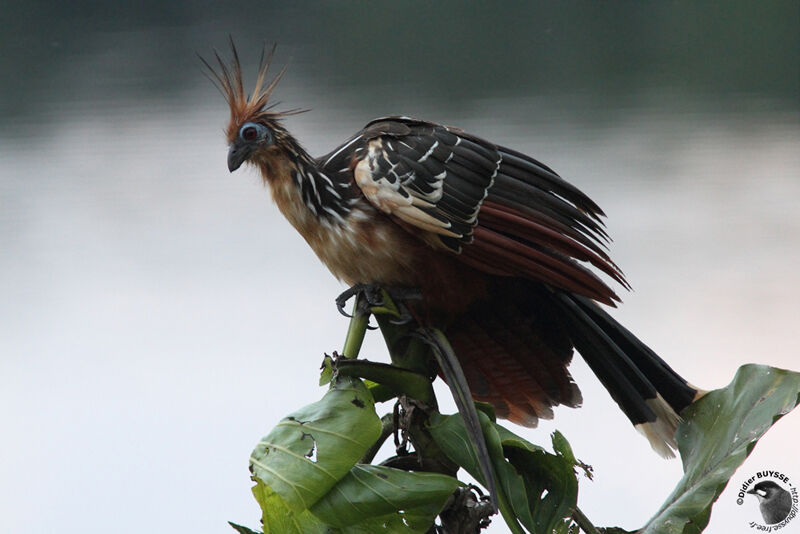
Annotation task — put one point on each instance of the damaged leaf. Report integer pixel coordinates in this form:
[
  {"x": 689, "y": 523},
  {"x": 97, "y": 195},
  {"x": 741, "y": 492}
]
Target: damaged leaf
[
  {"x": 309, "y": 451},
  {"x": 378, "y": 498},
  {"x": 278, "y": 518}
]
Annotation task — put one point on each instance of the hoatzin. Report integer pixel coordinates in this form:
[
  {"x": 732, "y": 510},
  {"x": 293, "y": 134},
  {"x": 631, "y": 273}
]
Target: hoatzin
[{"x": 496, "y": 243}]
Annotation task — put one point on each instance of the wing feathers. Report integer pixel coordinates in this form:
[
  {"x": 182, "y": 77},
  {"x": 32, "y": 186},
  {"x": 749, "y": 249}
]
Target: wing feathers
[
  {"x": 541, "y": 176},
  {"x": 533, "y": 232},
  {"x": 528, "y": 262},
  {"x": 423, "y": 220},
  {"x": 509, "y": 184},
  {"x": 549, "y": 219},
  {"x": 476, "y": 177},
  {"x": 504, "y": 211},
  {"x": 469, "y": 154}
]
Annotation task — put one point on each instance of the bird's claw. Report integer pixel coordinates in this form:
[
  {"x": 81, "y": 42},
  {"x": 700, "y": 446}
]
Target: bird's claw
[
  {"x": 371, "y": 294},
  {"x": 342, "y": 299},
  {"x": 373, "y": 298}
]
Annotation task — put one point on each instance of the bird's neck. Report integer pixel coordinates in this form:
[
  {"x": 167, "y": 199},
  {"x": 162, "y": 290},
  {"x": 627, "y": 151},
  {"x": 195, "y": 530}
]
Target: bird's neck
[
  {"x": 327, "y": 195},
  {"x": 307, "y": 195}
]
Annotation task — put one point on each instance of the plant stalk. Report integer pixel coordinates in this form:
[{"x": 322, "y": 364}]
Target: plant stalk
[{"x": 356, "y": 331}]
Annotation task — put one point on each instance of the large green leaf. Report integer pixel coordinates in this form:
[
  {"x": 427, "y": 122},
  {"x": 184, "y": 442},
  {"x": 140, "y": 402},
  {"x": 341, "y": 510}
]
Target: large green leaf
[
  {"x": 382, "y": 499},
  {"x": 550, "y": 481},
  {"x": 308, "y": 452},
  {"x": 452, "y": 437},
  {"x": 535, "y": 488},
  {"x": 719, "y": 431},
  {"x": 278, "y": 518}
]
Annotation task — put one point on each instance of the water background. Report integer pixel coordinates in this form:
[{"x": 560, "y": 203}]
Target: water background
[{"x": 158, "y": 315}]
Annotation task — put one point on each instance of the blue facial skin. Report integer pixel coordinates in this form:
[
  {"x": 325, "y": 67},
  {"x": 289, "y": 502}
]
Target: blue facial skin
[{"x": 251, "y": 134}]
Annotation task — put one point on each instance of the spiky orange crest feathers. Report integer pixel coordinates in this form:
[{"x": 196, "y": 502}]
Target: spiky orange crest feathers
[{"x": 228, "y": 79}]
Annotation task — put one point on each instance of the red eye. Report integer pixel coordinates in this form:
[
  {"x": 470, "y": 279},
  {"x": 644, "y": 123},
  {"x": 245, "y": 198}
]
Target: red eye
[{"x": 249, "y": 133}]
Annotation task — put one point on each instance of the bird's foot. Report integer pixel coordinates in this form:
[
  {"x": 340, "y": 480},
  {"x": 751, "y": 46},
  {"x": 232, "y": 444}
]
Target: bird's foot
[{"x": 372, "y": 297}]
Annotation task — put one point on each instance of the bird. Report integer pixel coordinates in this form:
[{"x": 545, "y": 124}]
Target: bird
[
  {"x": 499, "y": 247},
  {"x": 774, "y": 501}
]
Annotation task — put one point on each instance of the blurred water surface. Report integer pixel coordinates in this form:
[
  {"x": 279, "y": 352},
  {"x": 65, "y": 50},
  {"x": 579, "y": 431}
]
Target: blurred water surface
[{"x": 157, "y": 315}]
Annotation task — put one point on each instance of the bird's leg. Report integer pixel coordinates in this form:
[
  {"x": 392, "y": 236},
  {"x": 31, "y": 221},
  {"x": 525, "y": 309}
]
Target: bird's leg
[
  {"x": 402, "y": 421},
  {"x": 373, "y": 297},
  {"x": 370, "y": 292},
  {"x": 399, "y": 296}
]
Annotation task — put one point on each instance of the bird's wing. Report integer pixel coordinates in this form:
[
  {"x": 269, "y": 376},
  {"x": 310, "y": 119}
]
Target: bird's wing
[{"x": 500, "y": 211}]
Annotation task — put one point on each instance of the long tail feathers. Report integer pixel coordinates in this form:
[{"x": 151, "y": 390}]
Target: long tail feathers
[
  {"x": 647, "y": 390},
  {"x": 515, "y": 351}
]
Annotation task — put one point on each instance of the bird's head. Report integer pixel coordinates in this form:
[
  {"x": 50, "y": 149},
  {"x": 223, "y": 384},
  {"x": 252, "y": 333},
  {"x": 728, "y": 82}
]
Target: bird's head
[
  {"x": 765, "y": 490},
  {"x": 254, "y": 132}
]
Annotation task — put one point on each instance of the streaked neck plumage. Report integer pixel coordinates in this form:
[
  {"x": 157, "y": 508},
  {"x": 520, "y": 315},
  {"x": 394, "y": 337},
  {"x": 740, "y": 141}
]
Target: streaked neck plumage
[{"x": 327, "y": 197}]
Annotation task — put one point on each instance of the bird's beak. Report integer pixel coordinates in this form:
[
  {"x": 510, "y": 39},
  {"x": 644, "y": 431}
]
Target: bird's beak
[{"x": 238, "y": 155}]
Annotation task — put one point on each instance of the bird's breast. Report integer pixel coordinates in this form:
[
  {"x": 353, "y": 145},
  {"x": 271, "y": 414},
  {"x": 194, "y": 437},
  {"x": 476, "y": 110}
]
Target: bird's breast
[
  {"x": 367, "y": 248},
  {"x": 374, "y": 249},
  {"x": 370, "y": 247}
]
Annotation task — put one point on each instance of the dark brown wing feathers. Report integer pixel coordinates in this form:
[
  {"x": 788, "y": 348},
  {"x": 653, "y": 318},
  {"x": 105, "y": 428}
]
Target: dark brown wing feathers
[{"x": 511, "y": 214}]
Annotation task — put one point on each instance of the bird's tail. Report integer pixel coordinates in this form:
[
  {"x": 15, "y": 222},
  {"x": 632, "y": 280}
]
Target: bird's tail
[
  {"x": 515, "y": 348},
  {"x": 647, "y": 390}
]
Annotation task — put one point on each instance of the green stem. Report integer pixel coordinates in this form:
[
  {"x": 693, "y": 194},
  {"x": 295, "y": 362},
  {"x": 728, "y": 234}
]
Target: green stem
[
  {"x": 583, "y": 522},
  {"x": 400, "y": 381},
  {"x": 387, "y": 428},
  {"x": 380, "y": 392},
  {"x": 405, "y": 350},
  {"x": 355, "y": 332}
]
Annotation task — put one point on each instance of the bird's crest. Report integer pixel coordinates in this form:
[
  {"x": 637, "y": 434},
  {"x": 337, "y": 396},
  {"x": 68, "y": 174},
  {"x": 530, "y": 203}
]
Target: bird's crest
[{"x": 255, "y": 106}]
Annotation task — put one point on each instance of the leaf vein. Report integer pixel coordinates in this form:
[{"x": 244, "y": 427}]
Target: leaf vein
[{"x": 287, "y": 482}]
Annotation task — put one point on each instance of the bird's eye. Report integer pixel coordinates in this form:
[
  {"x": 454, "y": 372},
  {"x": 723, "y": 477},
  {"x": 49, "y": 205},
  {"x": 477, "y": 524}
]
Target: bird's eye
[
  {"x": 252, "y": 131},
  {"x": 249, "y": 133}
]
